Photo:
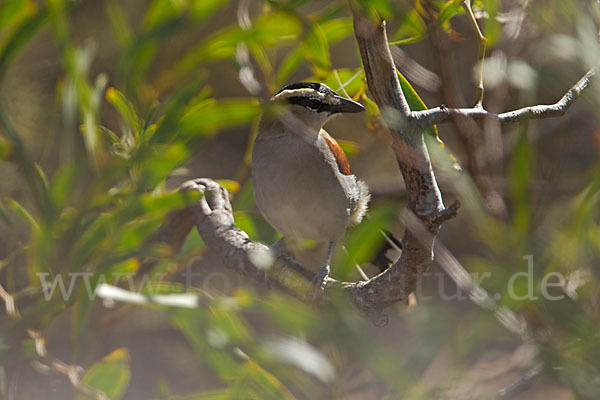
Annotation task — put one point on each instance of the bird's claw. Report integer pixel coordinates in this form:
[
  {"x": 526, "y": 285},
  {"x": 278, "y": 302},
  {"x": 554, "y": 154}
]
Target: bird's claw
[{"x": 320, "y": 280}]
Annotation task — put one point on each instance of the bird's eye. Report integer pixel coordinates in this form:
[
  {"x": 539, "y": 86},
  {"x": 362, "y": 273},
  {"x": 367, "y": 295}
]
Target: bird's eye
[{"x": 313, "y": 104}]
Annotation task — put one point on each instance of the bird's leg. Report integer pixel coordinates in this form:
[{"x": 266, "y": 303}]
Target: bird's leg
[{"x": 321, "y": 278}]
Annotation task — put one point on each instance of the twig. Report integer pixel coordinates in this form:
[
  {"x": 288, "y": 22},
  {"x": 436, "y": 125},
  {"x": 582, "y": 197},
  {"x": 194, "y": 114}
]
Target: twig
[
  {"x": 443, "y": 114},
  {"x": 73, "y": 373},
  {"x": 481, "y": 40}
]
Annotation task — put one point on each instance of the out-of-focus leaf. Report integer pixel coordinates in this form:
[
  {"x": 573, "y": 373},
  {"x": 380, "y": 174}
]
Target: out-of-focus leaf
[
  {"x": 245, "y": 223},
  {"x": 256, "y": 382},
  {"x": 376, "y": 9},
  {"x": 14, "y": 11},
  {"x": 336, "y": 29},
  {"x": 289, "y": 65},
  {"x": 269, "y": 30},
  {"x": 363, "y": 242},
  {"x": 201, "y": 9},
  {"x": 125, "y": 108},
  {"x": 23, "y": 213},
  {"x": 230, "y": 324},
  {"x": 350, "y": 148},
  {"x": 492, "y": 30},
  {"x": 449, "y": 10},
  {"x": 412, "y": 26},
  {"x": 232, "y": 186},
  {"x": 160, "y": 11},
  {"x": 169, "y": 201},
  {"x": 220, "y": 394},
  {"x": 118, "y": 22},
  {"x": 13, "y": 42},
  {"x": 111, "y": 375},
  {"x": 193, "y": 325},
  {"x": 62, "y": 185},
  {"x": 520, "y": 181},
  {"x": 210, "y": 117},
  {"x": 114, "y": 138},
  {"x": 316, "y": 49},
  {"x": 5, "y": 149}
]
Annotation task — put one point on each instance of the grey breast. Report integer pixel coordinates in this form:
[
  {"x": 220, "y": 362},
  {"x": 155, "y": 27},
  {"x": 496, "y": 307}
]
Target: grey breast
[{"x": 304, "y": 198}]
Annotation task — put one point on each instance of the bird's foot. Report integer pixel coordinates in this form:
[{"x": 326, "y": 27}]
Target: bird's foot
[{"x": 320, "y": 280}]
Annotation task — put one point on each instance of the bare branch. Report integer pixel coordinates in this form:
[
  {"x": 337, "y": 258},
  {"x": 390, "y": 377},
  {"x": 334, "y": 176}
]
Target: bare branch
[{"x": 443, "y": 114}]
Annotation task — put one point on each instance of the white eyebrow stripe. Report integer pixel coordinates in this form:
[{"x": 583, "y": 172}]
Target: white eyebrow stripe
[{"x": 295, "y": 92}]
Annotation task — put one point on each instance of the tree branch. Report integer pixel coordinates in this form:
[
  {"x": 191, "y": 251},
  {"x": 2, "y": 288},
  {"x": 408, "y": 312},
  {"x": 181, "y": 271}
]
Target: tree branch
[{"x": 443, "y": 114}]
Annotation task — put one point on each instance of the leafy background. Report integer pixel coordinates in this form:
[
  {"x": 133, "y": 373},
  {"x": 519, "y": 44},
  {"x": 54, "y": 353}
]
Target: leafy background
[{"x": 106, "y": 106}]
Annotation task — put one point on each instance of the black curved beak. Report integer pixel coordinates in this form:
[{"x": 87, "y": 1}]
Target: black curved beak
[{"x": 346, "y": 106}]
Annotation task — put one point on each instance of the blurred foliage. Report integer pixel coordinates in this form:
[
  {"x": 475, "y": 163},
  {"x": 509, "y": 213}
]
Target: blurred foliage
[{"x": 90, "y": 211}]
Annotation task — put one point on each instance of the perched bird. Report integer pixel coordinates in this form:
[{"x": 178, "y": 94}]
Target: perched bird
[{"x": 301, "y": 177}]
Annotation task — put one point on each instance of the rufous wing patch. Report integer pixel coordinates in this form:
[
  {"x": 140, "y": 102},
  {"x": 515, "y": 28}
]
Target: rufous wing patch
[{"x": 338, "y": 153}]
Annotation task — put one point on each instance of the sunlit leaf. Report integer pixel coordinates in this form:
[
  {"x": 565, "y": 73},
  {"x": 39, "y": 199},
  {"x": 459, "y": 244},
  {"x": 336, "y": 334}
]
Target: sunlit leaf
[
  {"x": 267, "y": 31},
  {"x": 492, "y": 29},
  {"x": 210, "y": 116},
  {"x": 316, "y": 49},
  {"x": 125, "y": 108},
  {"x": 201, "y": 9},
  {"x": 336, "y": 29},
  {"x": 111, "y": 375},
  {"x": 350, "y": 148},
  {"x": 363, "y": 241},
  {"x": 13, "y": 43},
  {"x": 289, "y": 65},
  {"x": 449, "y": 10},
  {"x": 232, "y": 186},
  {"x": 415, "y": 103}
]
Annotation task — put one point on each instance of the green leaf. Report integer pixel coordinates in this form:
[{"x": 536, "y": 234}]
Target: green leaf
[
  {"x": 125, "y": 108},
  {"x": 160, "y": 11},
  {"x": 415, "y": 103},
  {"x": 267, "y": 31},
  {"x": 211, "y": 116},
  {"x": 492, "y": 30},
  {"x": 202, "y": 9},
  {"x": 350, "y": 147},
  {"x": 289, "y": 65},
  {"x": 337, "y": 29},
  {"x": 111, "y": 375},
  {"x": 413, "y": 25},
  {"x": 449, "y": 10},
  {"x": 23, "y": 213},
  {"x": 363, "y": 241},
  {"x": 12, "y": 43},
  {"x": 118, "y": 22},
  {"x": 523, "y": 158},
  {"x": 167, "y": 202},
  {"x": 219, "y": 394},
  {"x": 13, "y": 11},
  {"x": 316, "y": 50},
  {"x": 257, "y": 382}
]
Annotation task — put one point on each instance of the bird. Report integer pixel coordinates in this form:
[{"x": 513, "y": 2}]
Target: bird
[{"x": 301, "y": 178}]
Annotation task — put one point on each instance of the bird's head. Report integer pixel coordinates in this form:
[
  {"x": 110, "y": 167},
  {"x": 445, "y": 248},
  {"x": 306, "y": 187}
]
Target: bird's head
[{"x": 314, "y": 103}]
